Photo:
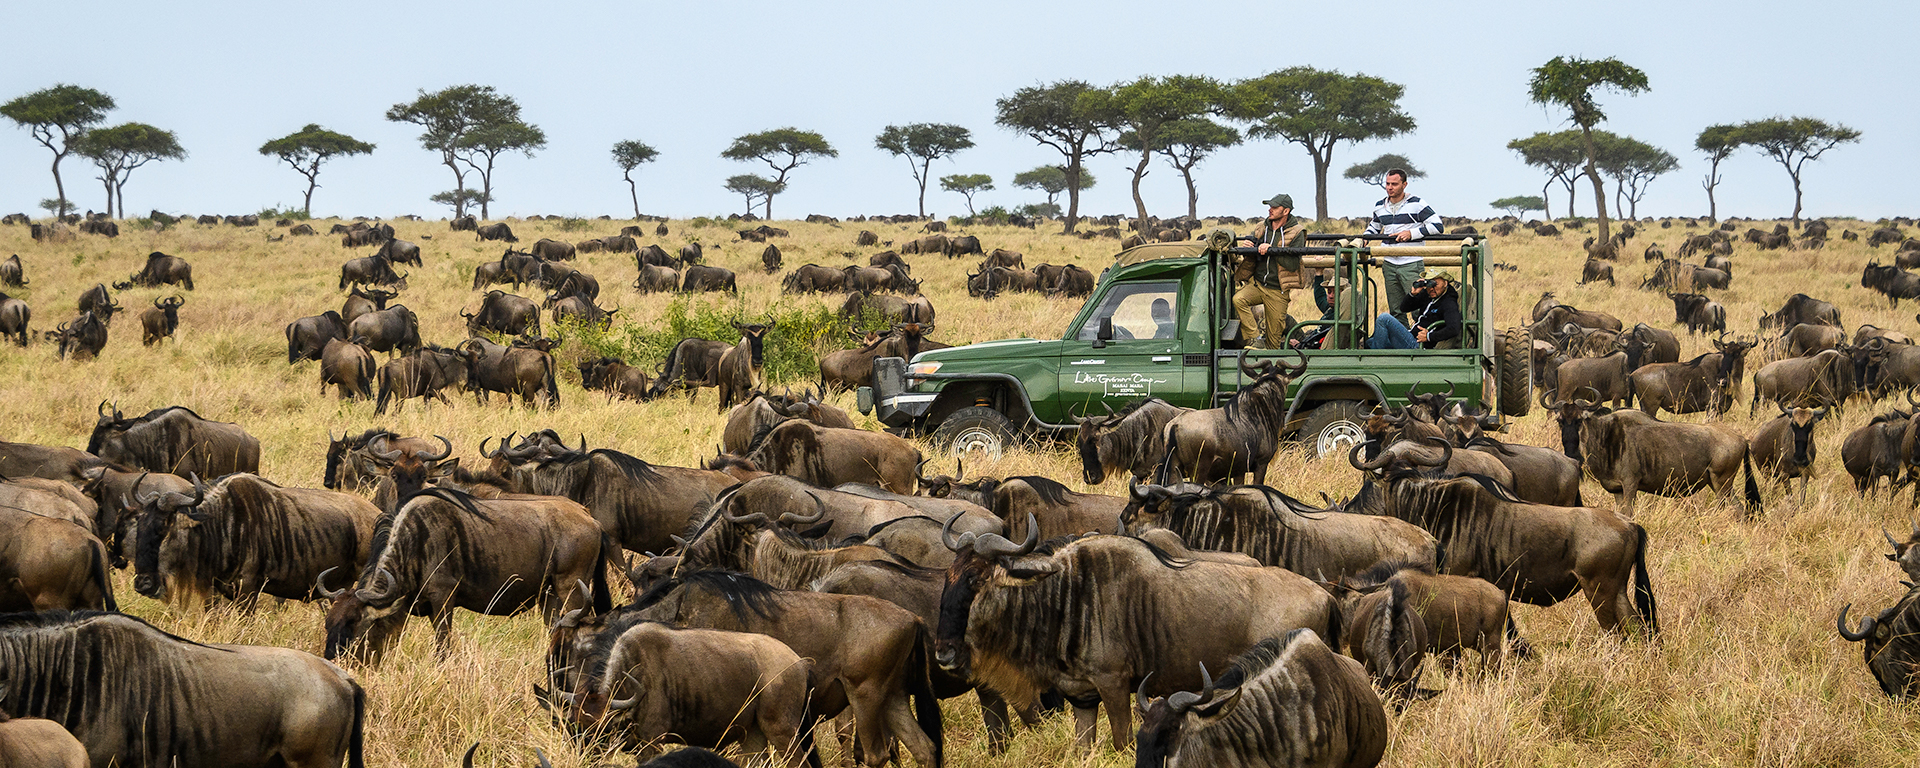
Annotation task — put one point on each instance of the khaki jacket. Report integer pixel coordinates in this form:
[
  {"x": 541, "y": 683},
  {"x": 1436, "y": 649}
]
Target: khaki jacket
[{"x": 1275, "y": 271}]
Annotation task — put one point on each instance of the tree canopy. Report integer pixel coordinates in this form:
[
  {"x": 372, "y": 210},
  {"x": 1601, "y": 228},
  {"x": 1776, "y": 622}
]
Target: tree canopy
[
  {"x": 1517, "y": 206},
  {"x": 782, "y": 149},
  {"x": 1791, "y": 142},
  {"x": 1067, "y": 116},
  {"x": 54, "y": 117},
  {"x": 1052, "y": 180},
  {"x": 307, "y": 148},
  {"x": 1319, "y": 109},
  {"x": 448, "y": 119},
  {"x": 486, "y": 143},
  {"x": 754, "y": 188},
  {"x": 1633, "y": 164},
  {"x": 1144, "y": 109},
  {"x": 1559, "y": 155},
  {"x": 1185, "y": 143},
  {"x": 1717, "y": 141},
  {"x": 118, "y": 150},
  {"x": 921, "y": 144},
  {"x": 629, "y": 155},
  {"x": 1374, "y": 171},
  {"x": 967, "y": 184},
  {"x": 1570, "y": 83}
]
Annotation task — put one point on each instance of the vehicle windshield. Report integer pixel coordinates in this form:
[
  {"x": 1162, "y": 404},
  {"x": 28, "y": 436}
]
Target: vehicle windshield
[{"x": 1147, "y": 310}]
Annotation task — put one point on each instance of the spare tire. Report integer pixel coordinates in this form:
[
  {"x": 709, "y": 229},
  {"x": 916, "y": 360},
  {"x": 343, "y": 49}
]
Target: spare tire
[{"x": 1515, "y": 371}]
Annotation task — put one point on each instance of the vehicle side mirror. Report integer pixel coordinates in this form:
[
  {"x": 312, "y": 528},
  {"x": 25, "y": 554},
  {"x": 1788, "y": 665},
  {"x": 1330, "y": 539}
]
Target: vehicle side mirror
[{"x": 1105, "y": 334}]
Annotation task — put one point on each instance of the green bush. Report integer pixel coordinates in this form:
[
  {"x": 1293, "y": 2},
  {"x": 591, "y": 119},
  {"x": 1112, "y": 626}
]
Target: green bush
[
  {"x": 575, "y": 224},
  {"x": 793, "y": 350},
  {"x": 272, "y": 213}
]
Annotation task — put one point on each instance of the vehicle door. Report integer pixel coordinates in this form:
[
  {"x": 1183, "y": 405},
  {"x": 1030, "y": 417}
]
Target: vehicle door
[{"x": 1142, "y": 357}]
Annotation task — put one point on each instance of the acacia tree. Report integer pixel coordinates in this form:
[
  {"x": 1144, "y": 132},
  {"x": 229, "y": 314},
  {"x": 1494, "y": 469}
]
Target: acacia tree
[
  {"x": 1318, "y": 110},
  {"x": 754, "y": 188},
  {"x": 448, "y": 119},
  {"x": 118, "y": 150},
  {"x": 1718, "y": 141},
  {"x": 459, "y": 199},
  {"x": 1558, "y": 154},
  {"x": 629, "y": 155},
  {"x": 1633, "y": 164},
  {"x": 782, "y": 149},
  {"x": 1374, "y": 172},
  {"x": 921, "y": 144},
  {"x": 967, "y": 184},
  {"x": 1570, "y": 83},
  {"x": 54, "y": 117},
  {"x": 307, "y": 148},
  {"x": 1187, "y": 142},
  {"x": 1052, "y": 180},
  {"x": 1144, "y": 109},
  {"x": 1518, "y": 205},
  {"x": 1065, "y": 116},
  {"x": 486, "y": 143},
  {"x": 1791, "y": 142}
]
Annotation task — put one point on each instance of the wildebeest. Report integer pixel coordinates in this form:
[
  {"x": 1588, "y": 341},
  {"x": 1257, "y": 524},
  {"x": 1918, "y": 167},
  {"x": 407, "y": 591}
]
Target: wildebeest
[
  {"x": 394, "y": 330},
  {"x": 1824, "y": 379},
  {"x": 1385, "y": 632},
  {"x": 580, "y": 310},
  {"x": 493, "y": 273},
  {"x": 929, "y": 244},
  {"x": 1630, "y": 452},
  {"x": 423, "y": 373},
  {"x": 399, "y": 252},
  {"x": 690, "y": 254},
  {"x": 360, "y": 302},
  {"x": 656, "y": 279},
  {"x": 243, "y": 537},
  {"x": 370, "y": 270},
  {"x": 1288, "y": 700},
  {"x": 552, "y": 250},
  {"x": 1540, "y": 475},
  {"x": 138, "y": 697},
  {"x": 961, "y": 245},
  {"x": 159, "y": 321},
  {"x": 97, "y": 301},
  {"x": 753, "y": 689},
  {"x": 308, "y": 336},
  {"x": 1241, "y": 437},
  {"x": 1874, "y": 451},
  {"x": 358, "y": 462},
  {"x": 442, "y": 549},
  {"x": 916, "y": 309},
  {"x": 162, "y": 269},
  {"x": 32, "y": 742},
  {"x": 844, "y": 370},
  {"x": 504, "y": 313},
  {"x": 464, "y": 224},
  {"x": 702, "y": 278},
  {"x": 83, "y": 337},
  {"x": 348, "y": 365},
  {"x": 1460, "y": 612},
  {"x": 1807, "y": 339},
  {"x": 1698, "y": 312},
  {"x": 174, "y": 440},
  {"x": 1891, "y": 649},
  {"x": 1892, "y": 281},
  {"x": 1595, "y": 271},
  {"x": 641, "y": 505},
  {"x": 739, "y": 371},
  {"x": 525, "y": 369},
  {"x": 1102, "y": 613},
  {"x": 1801, "y": 308},
  {"x": 1606, "y": 376},
  {"x": 813, "y": 278},
  {"x": 770, "y": 259},
  {"x": 12, "y": 274},
  {"x": 1070, "y": 280},
  {"x": 1555, "y": 317},
  {"x": 496, "y": 232},
  {"x": 1783, "y": 447},
  {"x": 1704, "y": 383},
  {"x": 14, "y": 317},
  {"x": 613, "y": 376},
  {"x": 828, "y": 456},
  {"x": 49, "y": 563},
  {"x": 1003, "y": 258},
  {"x": 1275, "y": 529},
  {"x": 1132, "y": 439},
  {"x": 691, "y": 364}
]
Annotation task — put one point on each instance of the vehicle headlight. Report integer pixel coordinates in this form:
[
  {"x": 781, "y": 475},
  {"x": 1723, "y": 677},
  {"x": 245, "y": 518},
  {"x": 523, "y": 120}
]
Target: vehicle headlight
[{"x": 923, "y": 368}]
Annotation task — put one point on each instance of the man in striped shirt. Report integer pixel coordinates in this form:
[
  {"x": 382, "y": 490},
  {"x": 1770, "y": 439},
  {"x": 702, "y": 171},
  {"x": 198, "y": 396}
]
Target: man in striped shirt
[{"x": 1402, "y": 218}]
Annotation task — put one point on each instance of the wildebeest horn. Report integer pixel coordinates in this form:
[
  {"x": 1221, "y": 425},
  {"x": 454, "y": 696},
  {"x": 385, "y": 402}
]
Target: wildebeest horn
[
  {"x": 570, "y": 618},
  {"x": 995, "y": 545},
  {"x": 374, "y": 593},
  {"x": 446, "y": 451},
  {"x": 1866, "y": 626},
  {"x": 583, "y": 442},
  {"x": 483, "y": 448},
  {"x": 819, "y": 511},
  {"x": 626, "y": 703},
  {"x": 385, "y": 457},
  {"x": 1910, "y": 393},
  {"x": 320, "y": 585},
  {"x": 946, "y": 535},
  {"x": 751, "y": 518},
  {"x": 1255, "y": 370},
  {"x": 1140, "y": 693},
  {"x": 102, "y": 409},
  {"x": 1446, "y": 453},
  {"x": 156, "y": 304},
  {"x": 1890, "y": 540},
  {"x": 1450, "y": 387},
  {"x": 1916, "y": 526},
  {"x": 199, "y": 488},
  {"x": 1353, "y": 457}
]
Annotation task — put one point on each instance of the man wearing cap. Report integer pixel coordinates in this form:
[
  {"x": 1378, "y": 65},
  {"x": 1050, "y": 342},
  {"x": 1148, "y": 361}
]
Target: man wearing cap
[
  {"x": 1403, "y": 219},
  {"x": 1434, "y": 303},
  {"x": 1270, "y": 278}
]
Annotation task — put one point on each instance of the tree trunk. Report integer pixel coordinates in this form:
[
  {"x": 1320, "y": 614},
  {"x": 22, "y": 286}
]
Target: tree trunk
[
  {"x": 459, "y": 186},
  {"x": 1139, "y": 203},
  {"x": 1599, "y": 185},
  {"x": 120, "y": 197},
  {"x": 767, "y": 212},
  {"x": 1546, "y": 200},
  {"x": 921, "y": 177},
  {"x": 633, "y": 191},
  {"x": 1073, "y": 192},
  {"x": 486, "y": 188},
  {"x": 107, "y": 180},
  {"x": 306, "y": 205},
  {"x": 1193, "y": 194},
  {"x": 1796, "y": 200},
  {"x": 59, "y": 188},
  {"x": 1321, "y": 159}
]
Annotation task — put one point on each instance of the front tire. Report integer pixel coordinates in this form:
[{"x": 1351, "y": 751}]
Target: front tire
[
  {"x": 1334, "y": 428},
  {"x": 1516, "y": 372},
  {"x": 976, "y": 428}
]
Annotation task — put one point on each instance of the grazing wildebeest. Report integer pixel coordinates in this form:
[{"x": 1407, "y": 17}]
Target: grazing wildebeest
[
  {"x": 83, "y": 337},
  {"x": 1825, "y": 379},
  {"x": 1806, "y": 339},
  {"x": 1698, "y": 312},
  {"x": 739, "y": 371},
  {"x": 641, "y": 677},
  {"x": 504, "y": 313},
  {"x": 1241, "y": 437},
  {"x": 929, "y": 244},
  {"x": 1704, "y": 383},
  {"x": 1801, "y": 308},
  {"x": 1013, "y": 501},
  {"x": 691, "y": 364},
  {"x": 349, "y": 365},
  {"x": 1540, "y": 475},
  {"x": 49, "y": 563},
  {"x": 1892, "y": 644},
  {"x": 162, "y": 269},
  {"x": 690, "y": 254},
  {"x": 1275, "y": 529},
  {"x": 493, "y": 273},
  {"x": 1289, "y": 700},
  {"x": 173, "y": 440},
  {"x": 613, "y": 376},
  {"x": 525, "y": 369},
  {"x": 1892, "y": 281},
  {"x": 844, "y": 370},
  {"x": 655, "y": 256},
  {"x": 12, "y": 274},
  {"x": 1595, "y": 271},
  {"x": 14, "y": 316},
  {"x": 243, "y": 537},
  {"x": 496, "y": 232},
  {"x": 465, "y": 223},
  {"x": 400, "y": 252},
  {"x": 552, "y": 250},
  {"x": 360, "y": 302},
  {"x": 442, "y": 549},
  {"x": 1132, "y": 439},
  {"x": 961, "y": 245},
  {"x": 1385, "y": 632},
  {"x": 580, "y": 310},
  {"x": 370, "y": 270},
  {"x": 1554, "y": 318},
  {"x": 657, "y": 279},
  {"x": 1108, "y": 612},
  {"x": 702, "y": 278},
  {"x": 97, "y": 301},
  {"x": 1875, "y": 450},
  {"x": 770, "y": 259},
  {"x": 138, "y": 697},
  {"x": 1071, "y": 280},
  {"x": 893, "y": 308},
  {"x": 1783, "y": 447},
  {"x": 159, "y": 321},
  {"x": 1460, "y": 612},
  {"x": 423, "y": 373},
  {"x": 828, "y": 456},
  {"x": 394, "y": 330},
  {"x": 1630, "y": 452},
  {"x": 813, "y": 278},
  {"x": 641, "y": 505},
  {"x": 308, "y": 336}
]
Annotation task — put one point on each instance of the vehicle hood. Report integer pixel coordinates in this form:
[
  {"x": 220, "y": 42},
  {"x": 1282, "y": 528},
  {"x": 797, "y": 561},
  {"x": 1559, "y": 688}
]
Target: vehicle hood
[{"x": 989, "y": 350}]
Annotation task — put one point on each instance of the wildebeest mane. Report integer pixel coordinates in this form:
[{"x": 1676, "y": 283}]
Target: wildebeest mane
[
  {"x": 1050, "y": 490},
  {"x": 1381, "y": 571},
  {"x": 744, "y": 594}
]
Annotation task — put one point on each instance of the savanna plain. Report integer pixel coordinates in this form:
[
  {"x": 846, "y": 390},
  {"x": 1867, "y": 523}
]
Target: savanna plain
[{"x": 1747, "y": 669}]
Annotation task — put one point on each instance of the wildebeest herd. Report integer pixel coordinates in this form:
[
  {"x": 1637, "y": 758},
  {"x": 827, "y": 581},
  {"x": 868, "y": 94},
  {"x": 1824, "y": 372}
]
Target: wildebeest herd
[{"x": 812, "y": 570}]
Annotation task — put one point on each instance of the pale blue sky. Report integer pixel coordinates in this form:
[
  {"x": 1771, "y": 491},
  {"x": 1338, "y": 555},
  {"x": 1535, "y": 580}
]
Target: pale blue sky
[{"x": 687, "y": 78}]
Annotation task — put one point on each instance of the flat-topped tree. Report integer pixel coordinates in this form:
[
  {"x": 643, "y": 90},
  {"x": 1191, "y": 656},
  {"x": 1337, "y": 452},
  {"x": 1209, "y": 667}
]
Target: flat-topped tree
[
  {"x": 1560, "y": 155},
  {"x": 1374, "y": 172},
  {"x": 1633, "y": 164},
  {"x": 968, "y": 184},
  {"x": 447, "y": 119},
  {"x": 629, "y": 155},
  {"x": 307, "y": 148},
  {"x": 118, "y": 150},
  {"x": 1570, "y": 83},
  {"x": 1518, "y": 205},
  {"x": 782, "y": 149},
  {"x": 1318, "y": 110},
  {"x": 481, "y": 147},
  {"x": 921, "y": 144},
  {"x": 1717, "y": 141},
  {"x": 1143, "y": 110},
  {"x": 1791, "y": 142},
  {"x": 54, "y": 117},
  {"x": 1052, "y": 180},
  {"x": 1187, "y": 142},
  {"x": 754, "y": 188},
  {"x": 1063, "y": 115}
]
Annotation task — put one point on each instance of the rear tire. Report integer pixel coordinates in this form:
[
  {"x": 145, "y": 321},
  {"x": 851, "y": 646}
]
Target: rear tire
[
  {"x": 1516, "y": 372},
  {"x": 976, "y": 428},
  {"x": 1334, "y": 428}
]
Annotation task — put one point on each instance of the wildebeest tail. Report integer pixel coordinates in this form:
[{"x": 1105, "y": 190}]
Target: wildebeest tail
[
  {"x": 1166, "y": 462},
  {"x": 102, "y": 578},
  {"x": 926, "y": 706},
  {"x": 1336, "y": 623},
  {"x": 356, "y": 751},
  {"x": 552, "y": 387},
  {"x": 602, "y": 597},
  {"x": 1753, "y": 489},
  {"x": 366, "y": 375},
  {"x": 386, "y": 390},
  {"x": 1643, "y": 601}
]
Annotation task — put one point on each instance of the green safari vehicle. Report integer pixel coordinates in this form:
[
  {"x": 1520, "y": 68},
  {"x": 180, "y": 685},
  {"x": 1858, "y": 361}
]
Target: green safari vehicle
[{"x": 1124, "y": 344}]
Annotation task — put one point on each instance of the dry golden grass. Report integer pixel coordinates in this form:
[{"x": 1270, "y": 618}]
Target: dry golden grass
[{"x": 1747, "y": 671}]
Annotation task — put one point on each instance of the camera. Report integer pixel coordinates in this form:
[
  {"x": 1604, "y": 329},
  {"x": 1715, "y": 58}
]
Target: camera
[{"x": 1422, "y": 284}]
